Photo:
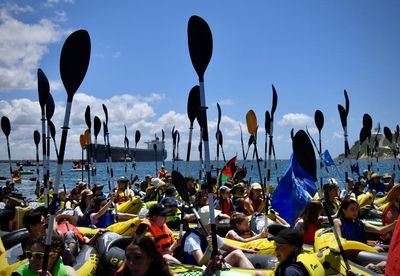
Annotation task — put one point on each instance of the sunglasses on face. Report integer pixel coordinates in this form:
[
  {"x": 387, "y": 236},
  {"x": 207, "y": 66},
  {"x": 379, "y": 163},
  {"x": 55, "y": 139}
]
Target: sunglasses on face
[{"x": 39, "y": 255}]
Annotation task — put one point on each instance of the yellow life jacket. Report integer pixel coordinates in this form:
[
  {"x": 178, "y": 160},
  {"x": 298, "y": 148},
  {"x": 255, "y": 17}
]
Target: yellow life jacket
[
  {"x": 17, "y": 222},
  {"x": 365, "y": 199},
  {"x": 310, "y": 263}
]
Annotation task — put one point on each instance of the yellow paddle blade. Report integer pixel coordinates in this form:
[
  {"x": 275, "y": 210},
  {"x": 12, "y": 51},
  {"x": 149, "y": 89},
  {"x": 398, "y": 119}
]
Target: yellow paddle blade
[
  {"x": 251, "y": 121},
  {"x": 82, "y": 140},
  {"x": 87, "y": 137}
]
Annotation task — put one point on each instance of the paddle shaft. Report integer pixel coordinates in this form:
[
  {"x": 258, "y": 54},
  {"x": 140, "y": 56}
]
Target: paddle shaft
[
  {"x": 82, "y": 165},
  {"x": 203, "y": 113},
  {"x": 346, "y": 157},
  {"x": 320, "y": 160},
  {"x": 91, "y": 159},
  {"x": 110, "y": 162},
  {"x": 155, "y": 157},
  {"x": 48, "y": 161},
  {"x": 188, "y": 149},
  {"x": 241, "y": 142},
  {"x": 94, "y": 172},
  {"x": 106, "y": 157},
  {"x": 45, "y": 176}
]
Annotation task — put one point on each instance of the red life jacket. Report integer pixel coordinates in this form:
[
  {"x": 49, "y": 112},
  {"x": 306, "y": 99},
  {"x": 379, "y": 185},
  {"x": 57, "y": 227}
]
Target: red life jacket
[
  {"x": 225, "y": 206},
  {"x": 65, "y": 226},
  {"x": 161, "y": 235}
]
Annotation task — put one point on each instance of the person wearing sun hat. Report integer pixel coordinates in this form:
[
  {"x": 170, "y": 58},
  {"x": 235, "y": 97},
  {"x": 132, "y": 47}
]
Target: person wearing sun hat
[
  {"x": 254, "y": 202},
  {"x": 331, "y": 195},
  {"x": 375, "y": 183},
  {"x": 292, "y": 260},
  {"x": 197, "y": 244},
  {"x": 224, "y": 202},
  {"x": 162, "y": 172}
]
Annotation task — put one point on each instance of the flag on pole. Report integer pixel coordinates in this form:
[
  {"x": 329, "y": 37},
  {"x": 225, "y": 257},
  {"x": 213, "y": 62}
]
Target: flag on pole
[
  {"x": 228, "y": 170},
  {"x": 355, "y": 169},
  {"x": 327, "y": 158}
]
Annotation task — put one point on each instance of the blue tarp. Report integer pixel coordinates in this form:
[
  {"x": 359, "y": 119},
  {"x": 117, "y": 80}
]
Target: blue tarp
[
  {"x": 294, "y": 190},
  {"x": 327, "y": 158}
]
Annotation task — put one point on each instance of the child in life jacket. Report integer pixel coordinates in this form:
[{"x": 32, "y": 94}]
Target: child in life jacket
[
  {"x": 350, "y": 227},
  {"x": 224, "y": 203},
  {"x": 241, "y": 230},
  {"x": 310, "y": 221}
]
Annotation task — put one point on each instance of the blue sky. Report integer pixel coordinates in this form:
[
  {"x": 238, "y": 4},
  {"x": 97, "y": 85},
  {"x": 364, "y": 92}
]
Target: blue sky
[{"x": 140, "y": 66}]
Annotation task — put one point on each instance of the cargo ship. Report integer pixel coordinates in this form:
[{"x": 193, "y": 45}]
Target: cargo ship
[{"x": 141, "y": 155}]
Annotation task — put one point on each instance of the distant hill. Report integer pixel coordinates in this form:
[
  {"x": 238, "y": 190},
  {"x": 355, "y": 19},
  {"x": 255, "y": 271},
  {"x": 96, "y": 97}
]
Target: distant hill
[{"x": 383, "y": 150}]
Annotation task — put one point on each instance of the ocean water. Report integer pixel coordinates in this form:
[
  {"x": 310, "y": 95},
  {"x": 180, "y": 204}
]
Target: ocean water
[{"x": 69, "y": 177}]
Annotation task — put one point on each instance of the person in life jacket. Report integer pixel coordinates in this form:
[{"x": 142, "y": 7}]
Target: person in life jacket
[
  {"x": 224, "y": 203},
  {"x": 102, "y": 216},
  {"x": 350, "y": 227},
  {"x": 392, "y": 210},
  {"x": 253, "y": 202},
  {"x": 162, "y": 172},
  {"x": 35, "y": 255},
  {"x": 292, "y": 261},
  {"x": 309, "y": 221},
  {"x": 331, "y": 195},
  {"x": 142, "y": 259},
  {"x": 7, "y": 214},
  {"x": 241, "y": 230},
  {"x": 73, "y": 238},
  {"x": 154, "y": 226},
  {"x": 123, "y": 191},
  {"x": 197, "y": 245}
]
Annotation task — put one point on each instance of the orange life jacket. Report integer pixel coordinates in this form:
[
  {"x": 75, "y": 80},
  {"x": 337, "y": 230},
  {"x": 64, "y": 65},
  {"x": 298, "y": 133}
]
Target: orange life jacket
[{"x": 161, "y": 235}]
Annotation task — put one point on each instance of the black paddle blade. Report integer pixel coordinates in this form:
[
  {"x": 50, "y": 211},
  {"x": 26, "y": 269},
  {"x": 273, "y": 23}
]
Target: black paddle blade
[
  {"x": 43, "y": 88},
  {"x": 304, "y": 153},
  {"x": 162, "y": 135},
  {"x": 87, "y": 117},
  {"x": 219, "y": 115},
  {"x": 155, "y": 147},
  {"x": 386, "y": 131},
  {"x": 193, "y": 104},
  {"x": 174, "y": 136},
  {"x": 74, "y": 61},
  {"x": 367, "y": 121},
  {"x": 105, "y": 129},
  {"x": 105, "y": 113},
  {"x": 218, "y": 135},
  {"x": 50, "y": 107},
  {"x": 201, "y": 150},
  {"x": 178, "y": 137},
  {"x": 347, "y": 102},
  {"x": 36, "y": 137},
  {"x": 274, "y": 102},
  {"x": 267, "y": 122},
  {"x": 5, "y": 126},
  {"x": 52, "y": 129},
  {"x": 200, "y": 44},
  {"x": 343, "y": 115},
  {"x": 137, "y": 136},
  {"x": 180, "y": 184},
  {"x": 363, "y": 135},
  {"x": 96, "y": 126},
  {"x": 251, "y": 141},
  {"x": 126, "y": 141},
  {"x": 319, "y": 119}
]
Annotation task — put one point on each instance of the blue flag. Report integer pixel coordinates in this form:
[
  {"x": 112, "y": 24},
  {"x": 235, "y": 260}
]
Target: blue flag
[
  {"x": 327, "y": 158},
  {"x": 355, "y": 169},
  {"x": 294, "y": 190}
]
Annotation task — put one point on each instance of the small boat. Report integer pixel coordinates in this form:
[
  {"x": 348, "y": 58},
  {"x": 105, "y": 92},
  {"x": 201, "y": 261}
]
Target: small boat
[
  {"x": 24, "y": 172},
  {"x": 79, "y": 169}
]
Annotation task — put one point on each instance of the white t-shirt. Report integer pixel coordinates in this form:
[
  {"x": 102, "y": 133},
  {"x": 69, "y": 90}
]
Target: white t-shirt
[{"x": 193, "y": 243}]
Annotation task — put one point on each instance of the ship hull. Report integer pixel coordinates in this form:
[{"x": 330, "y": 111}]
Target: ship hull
[{"x": 118, "y": 154}]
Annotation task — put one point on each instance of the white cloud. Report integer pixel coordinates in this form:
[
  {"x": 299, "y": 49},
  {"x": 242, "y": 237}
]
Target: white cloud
[
  {"x": 295, "y": 119},
  {"x": 99, "y": 55},
  {"x": 312, "y": 130},
  {"x": 226, "y": 102},
  {"x": 16, "y": 9},
  {"x": 22, "y": 46},
  {"x": 52, "y": 3},
  {"x": 152, "y": 97},
  {"x": 337, "y": 135},
  {"x": 24, "y": 115},
  {"x": 61, "y": 16},
  {"x": 116, "y": 54}
]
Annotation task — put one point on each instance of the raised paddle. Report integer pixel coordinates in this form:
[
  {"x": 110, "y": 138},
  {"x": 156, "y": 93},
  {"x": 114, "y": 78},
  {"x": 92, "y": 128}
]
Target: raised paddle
[
  {"x": 36, "y": 139},
  {"x": 343, "y": 118},
  {"x": 267, "y": 127},
  {"x": 137, "y": 139},
  {"x": 242, "y": 144},
  {"x": 200, "y": 148},
  {"x": 173, "y": 147},
  {"x": 319, "y": 122},
  {"x": 43, "y": 93},
  {"x": 6, "y": 128},
  {"x": 96, "y": 130},
  {"x": 178, "y": 138},
  {"x": 305, "y": 156},
  {"x": 108, "y": 149},
  {"x": 82, "y": 141},
  {"x": 249, "y": 143},
  {"x": 367, "y": 125},
  {"x": 220, "y": 141},
  {"x": 389, "y": 137},
  {"x": 251, "y": 121},
  {"x": 163, "y": 146},
  {"x": 193, "y": 109},
  {"x": 126, "y": 142},
  {"x": 74, "y": 63},
  {"x": 49, "y": 114},
  {"x": 87, "y": 145},
  {"x": 53, "y": 135},
  {"x": 270, "y": 132},
  {"x": 200, "y": 50},
  {"x": 89, "y": 149},
  {"x": 155, "y": 157},
  {"x": 347, "y": 102},
  {"x": 217, "y": 134},
  {"x": 376, "y": 147}
]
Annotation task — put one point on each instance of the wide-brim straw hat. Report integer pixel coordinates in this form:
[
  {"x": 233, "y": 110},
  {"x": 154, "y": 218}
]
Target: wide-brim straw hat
[{"x": 394, "y": 193}]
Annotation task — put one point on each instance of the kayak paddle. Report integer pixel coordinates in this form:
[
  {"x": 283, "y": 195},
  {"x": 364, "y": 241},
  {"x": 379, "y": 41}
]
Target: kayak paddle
[
  {"x": 96, "y": 130},
  {"x": 36, "y": 139},
  {"x": 89, "y": 135},
  {"x": 6, "y": 127},
  {"x": 193, "y": 109}
]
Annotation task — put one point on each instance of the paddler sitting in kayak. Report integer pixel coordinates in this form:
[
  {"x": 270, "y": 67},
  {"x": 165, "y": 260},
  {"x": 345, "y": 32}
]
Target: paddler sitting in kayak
[
  {"x": 375, "y": 183},
  {"x": 154, "y": 226},
  {"x": 350, "y": 227},
  {"x": 224, "y": 203},
  {"x": 197, "y": 245},
  {"x": 331, "y": 195},
  {"x": 123, "y": 192},
  {"x": 241, "y": 230},
  {"x": 292, "y": 261},
  {"x": 7, "y": 214},
  {"x": 35, "y": 255},
  {"x": 253, "y": 202}
]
